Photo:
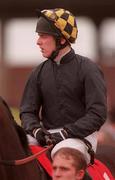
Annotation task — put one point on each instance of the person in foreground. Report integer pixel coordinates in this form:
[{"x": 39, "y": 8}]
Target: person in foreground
[
  {"x": 69, "y": 163},
  {"x": 68, "y": 89}
]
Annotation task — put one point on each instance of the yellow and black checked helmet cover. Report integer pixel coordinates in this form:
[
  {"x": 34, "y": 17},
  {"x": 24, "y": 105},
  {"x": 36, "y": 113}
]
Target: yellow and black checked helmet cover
[{"x": 64, "y": 21}]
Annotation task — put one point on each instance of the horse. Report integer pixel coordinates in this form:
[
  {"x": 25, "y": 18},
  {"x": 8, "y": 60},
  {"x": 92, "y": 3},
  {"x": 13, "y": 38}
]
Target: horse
[
  {"x": 16, "y": 155},
  {"x": 14, "y": 146}
]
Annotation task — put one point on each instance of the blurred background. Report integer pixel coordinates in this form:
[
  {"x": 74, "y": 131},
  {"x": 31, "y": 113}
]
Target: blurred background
[{"x": 19, "y": 52}]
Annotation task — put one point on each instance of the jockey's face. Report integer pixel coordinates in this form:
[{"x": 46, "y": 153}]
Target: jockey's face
[
  {"x": 47, "y": 44},
  {"x": 64, "y": 169}
]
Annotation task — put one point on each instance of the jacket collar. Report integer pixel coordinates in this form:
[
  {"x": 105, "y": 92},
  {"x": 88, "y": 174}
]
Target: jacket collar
[{"x": 67, "y": 57}]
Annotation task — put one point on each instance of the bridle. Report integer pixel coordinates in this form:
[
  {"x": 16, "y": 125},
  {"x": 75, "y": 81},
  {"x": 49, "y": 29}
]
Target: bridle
[{"x": 25, "y": 160}]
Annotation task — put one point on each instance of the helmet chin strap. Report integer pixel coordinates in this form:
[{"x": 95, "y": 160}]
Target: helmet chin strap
[
  {"x": 54, "y": 54},
  {"x": 59, "y": 47}
]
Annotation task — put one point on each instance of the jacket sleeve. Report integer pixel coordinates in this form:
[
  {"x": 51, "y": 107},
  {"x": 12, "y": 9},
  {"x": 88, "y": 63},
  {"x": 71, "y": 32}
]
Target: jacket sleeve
[
  {"x": 31, "y": 103},
  {"x": 95, "y": 102}
]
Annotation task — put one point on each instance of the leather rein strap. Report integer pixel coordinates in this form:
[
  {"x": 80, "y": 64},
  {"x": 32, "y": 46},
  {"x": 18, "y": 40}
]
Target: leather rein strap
[{"x": 24, "y": 160}]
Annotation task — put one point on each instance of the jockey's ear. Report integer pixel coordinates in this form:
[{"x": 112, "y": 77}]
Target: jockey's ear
[
  {"x": 63, "y": 40},
  {"x": 80, "y": 174}
]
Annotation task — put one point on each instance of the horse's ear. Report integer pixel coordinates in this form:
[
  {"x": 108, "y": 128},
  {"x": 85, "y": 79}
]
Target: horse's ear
[
  {"x": 7, "y": 108},
  {"x": 23, "y": 138}
]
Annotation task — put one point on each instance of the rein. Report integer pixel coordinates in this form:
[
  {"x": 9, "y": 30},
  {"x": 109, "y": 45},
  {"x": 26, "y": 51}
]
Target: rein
[{"x": 24, "y": 160}]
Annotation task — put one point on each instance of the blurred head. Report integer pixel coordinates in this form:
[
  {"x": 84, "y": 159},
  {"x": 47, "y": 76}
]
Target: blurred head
[
  {"x": 60, "y": 24},
  {"x": 68, "y": 164}
]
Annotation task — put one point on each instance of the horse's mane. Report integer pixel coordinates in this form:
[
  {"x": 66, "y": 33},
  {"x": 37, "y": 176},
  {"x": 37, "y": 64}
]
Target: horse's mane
[
  {"x": 14, "y": 146},
  {"x": 20, "y": 131}
]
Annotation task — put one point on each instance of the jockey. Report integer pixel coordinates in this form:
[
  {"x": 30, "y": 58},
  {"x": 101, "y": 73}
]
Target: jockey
[{"x": 68, "y": 89}]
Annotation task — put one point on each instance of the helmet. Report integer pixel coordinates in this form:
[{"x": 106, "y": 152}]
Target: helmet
[{"x": 57, "y": 22}]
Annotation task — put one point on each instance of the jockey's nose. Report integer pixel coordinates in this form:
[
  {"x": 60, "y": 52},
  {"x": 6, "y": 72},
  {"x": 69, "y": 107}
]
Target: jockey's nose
[{"x": 57, "y": 172}]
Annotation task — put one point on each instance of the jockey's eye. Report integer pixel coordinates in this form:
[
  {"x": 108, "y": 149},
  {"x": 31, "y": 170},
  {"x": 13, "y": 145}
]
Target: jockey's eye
[{"x": 60, "y": 168}]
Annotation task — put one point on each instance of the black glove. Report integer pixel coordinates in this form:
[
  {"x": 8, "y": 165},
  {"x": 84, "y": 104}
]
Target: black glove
[
  {"x": 41, "y": 135},
  {"x": 58, "y": 136}
]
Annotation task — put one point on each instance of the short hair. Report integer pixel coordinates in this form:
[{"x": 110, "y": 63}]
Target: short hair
[{"x": 79, "y": 161}]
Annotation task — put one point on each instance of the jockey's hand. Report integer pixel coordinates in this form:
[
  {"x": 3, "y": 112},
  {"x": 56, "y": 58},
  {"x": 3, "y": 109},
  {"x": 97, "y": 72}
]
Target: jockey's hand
[
  {"x": 40, "y": 134},
  {"x": 58, "y": 136}
]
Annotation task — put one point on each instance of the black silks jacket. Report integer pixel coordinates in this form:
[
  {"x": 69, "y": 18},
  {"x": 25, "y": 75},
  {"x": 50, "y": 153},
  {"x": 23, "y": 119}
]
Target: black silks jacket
[{"x": 72, "y": 95}]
